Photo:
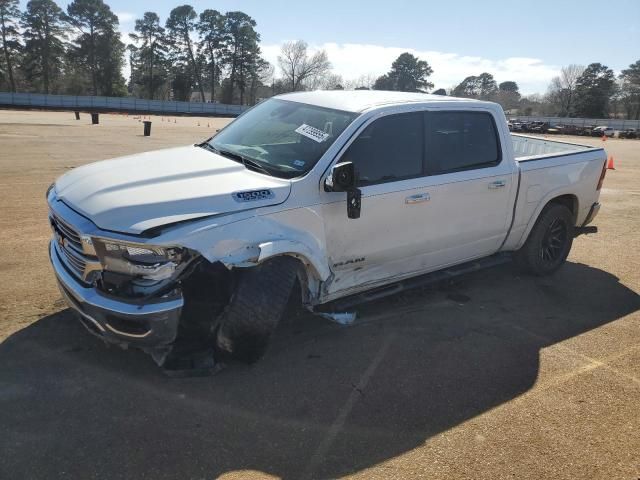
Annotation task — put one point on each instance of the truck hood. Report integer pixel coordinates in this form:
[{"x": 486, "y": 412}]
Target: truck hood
[{"x": 138, "y": 192}]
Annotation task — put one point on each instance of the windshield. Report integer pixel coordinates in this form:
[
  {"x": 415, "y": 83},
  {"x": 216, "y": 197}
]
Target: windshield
[{"x": 286, "y": 138}]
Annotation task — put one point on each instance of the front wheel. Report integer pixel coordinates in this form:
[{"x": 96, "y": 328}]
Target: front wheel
[
  {"x": 257, "y": 304},
  {"x": 549, "y": 242}
]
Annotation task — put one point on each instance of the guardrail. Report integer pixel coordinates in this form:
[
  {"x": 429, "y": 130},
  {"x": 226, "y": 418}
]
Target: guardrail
[
  {"x": 116, "y": 104},
  {"x": 614, "y": 123}
]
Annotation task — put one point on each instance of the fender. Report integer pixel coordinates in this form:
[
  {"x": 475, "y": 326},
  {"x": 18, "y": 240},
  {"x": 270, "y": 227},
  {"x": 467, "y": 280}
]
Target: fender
[
  {"x": 564, "y": 190},
  {"x": 297, "y": 249}
]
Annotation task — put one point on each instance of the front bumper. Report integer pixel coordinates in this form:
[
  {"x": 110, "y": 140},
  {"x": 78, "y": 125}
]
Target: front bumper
[{"x": 152, "y": 324}]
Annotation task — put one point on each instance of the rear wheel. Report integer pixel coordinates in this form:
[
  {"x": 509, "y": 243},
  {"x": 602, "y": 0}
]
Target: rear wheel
[{"x": 549, "y": 242}]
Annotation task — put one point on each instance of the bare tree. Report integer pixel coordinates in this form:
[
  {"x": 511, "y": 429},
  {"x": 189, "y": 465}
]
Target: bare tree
[
  {"x": 267, "y": 76},
  {"x": 297, "y": 66},
  {"x": 562, "y": 90},
  {"x": 363, "y": 82},
  {"x": 331, "y": 81}
]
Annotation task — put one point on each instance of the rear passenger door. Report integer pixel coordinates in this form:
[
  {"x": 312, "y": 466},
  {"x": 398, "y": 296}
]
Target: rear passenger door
[{"x": 472, "y": 188}]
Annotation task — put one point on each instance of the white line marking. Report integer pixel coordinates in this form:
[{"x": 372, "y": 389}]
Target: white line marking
[
  {"x": 346, "y": 409},
  {"x": 593, "y": 363}
]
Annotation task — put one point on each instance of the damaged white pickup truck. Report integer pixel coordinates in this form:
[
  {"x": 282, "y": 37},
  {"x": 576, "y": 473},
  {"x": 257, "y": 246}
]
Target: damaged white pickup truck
[{"x": 330, "y": 194}]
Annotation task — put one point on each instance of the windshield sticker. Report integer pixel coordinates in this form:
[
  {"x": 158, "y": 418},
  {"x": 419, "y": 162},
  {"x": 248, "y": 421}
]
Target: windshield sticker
[
  {"x": 298, "y": 163},
  {"x": 252, "y": 195},
  {"x": 312, "y": 132}
]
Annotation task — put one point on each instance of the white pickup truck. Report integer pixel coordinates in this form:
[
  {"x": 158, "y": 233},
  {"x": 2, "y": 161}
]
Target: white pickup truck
[{"x": 338, "y": 192}]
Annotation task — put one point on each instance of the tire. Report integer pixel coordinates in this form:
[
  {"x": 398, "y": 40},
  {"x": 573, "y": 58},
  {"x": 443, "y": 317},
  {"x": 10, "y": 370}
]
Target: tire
[
  {"x": 549, "y": 242},
  {"x": 257, "y": 304}
]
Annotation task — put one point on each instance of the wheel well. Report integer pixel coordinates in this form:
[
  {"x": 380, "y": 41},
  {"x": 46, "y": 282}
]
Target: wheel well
[
  {"x": 569, "y": 201},
  {"x": 303, "y": 276}
]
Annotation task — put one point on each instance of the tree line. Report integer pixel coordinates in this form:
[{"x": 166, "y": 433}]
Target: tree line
[
  {"x": 80, "y": 51},
  {"x": 592, "y": 91},
  {"x": 215, "y": 56}
]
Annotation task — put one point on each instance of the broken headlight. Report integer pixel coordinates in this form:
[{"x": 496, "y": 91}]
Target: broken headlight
[{"x": 144, "y": 261}]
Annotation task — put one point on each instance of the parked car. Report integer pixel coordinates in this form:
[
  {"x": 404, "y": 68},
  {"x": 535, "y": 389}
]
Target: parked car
[
  {"x": 538, "y": 127},
  {"x": 516, "y": 126},
  {"x": 585, "y": 130},
  {"x": 570, "y": 129},
  {"x": 603, "y": 131},
  {"x": 628, "y": 133},
  {"x": 524, "y": 126},
  {"x": 338, "y": 192}
]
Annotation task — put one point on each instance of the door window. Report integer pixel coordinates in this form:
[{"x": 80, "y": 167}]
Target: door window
[
  {"x": 389, "y": 149},
  {"x": 460, "y": 141}
]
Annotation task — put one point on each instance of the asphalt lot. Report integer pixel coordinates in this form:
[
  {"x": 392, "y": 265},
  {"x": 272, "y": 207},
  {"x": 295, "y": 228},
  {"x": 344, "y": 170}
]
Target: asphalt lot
[{"x": 496, "y": 375}]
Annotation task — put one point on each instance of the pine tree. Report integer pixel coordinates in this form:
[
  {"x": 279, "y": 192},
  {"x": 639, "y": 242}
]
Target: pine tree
[
  {"x": 44, "y": 33},
  {"x": 9, "y": 16}
]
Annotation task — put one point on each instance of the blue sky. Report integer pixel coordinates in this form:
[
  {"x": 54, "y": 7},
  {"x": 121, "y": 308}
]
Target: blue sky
[{"x": 516, "y": 40}]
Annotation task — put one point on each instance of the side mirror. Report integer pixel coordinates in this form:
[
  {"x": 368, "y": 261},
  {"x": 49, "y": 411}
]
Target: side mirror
[{"x": 342, "y": 178}]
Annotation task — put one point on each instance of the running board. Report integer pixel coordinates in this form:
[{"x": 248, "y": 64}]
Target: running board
[
  {"x": 343, "y": 304},
  {"x": 584, "y": 230}
]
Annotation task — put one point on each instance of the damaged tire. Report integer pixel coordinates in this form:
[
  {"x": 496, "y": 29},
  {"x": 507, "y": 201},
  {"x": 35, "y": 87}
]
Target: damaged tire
[{"x": 257, "y": 304}]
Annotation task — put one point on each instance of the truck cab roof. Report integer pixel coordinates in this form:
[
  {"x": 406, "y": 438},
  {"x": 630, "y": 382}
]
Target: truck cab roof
[{"x": 360, "y": 100}]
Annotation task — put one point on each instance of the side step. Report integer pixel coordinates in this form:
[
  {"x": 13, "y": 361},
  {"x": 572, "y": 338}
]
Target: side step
[
  {"x": 343, "y": 304},
  {"x": 584, "y": 230}
]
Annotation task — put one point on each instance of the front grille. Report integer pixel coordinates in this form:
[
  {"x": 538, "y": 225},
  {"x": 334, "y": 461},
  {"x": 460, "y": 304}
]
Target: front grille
[
  {"x": 67, "y": 232},
  {"x": 76, "y": 262},
  {"x": 69, "y": 246}
]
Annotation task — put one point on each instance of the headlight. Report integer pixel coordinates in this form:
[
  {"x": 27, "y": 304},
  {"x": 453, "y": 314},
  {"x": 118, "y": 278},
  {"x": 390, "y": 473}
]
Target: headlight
[{"x": 149, "y": 262}]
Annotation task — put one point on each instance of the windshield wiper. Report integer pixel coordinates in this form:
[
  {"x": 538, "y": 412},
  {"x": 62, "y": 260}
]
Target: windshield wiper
[{"x": 247, "y": 162}]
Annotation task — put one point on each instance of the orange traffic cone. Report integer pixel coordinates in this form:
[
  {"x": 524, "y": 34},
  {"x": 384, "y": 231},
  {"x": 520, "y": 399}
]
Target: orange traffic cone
[
  {"x": 610, "y": 163},
  {"x": 604, "y": 138}
]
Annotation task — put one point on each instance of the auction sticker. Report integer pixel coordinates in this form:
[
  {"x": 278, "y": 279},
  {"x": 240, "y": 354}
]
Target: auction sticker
[{"x": 312, "y": 132}]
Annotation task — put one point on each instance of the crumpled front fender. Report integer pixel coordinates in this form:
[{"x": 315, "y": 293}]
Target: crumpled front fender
[{"x": 255, "y": 239}]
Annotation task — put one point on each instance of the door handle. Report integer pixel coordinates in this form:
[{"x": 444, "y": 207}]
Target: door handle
[
  {"x": 417, "y": 198},
  {"x": 497, "y": 184}
]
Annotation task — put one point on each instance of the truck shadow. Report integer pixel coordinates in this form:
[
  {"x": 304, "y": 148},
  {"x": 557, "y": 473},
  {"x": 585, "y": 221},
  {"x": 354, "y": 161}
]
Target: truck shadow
[{"x": 326, "y": 401}]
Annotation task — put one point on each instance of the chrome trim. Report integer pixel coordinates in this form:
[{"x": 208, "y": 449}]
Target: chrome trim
[
  {"x": 82, "y": 265},
  {"x": 75, "y": 249},
  {"x": 125, "y": 334},
  {"x": 90, "y": 296},
  {"x": 76, "y": 308},
  {"x": 417, "y": 198},
  {"x": 497, "y": 184}
]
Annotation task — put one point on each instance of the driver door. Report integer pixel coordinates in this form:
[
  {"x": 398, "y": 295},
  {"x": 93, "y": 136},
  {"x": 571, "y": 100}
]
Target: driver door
[{"x": 388, "y": 156}]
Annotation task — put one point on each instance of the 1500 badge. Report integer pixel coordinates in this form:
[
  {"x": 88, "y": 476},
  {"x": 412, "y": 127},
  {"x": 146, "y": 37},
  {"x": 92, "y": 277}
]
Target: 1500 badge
[
  {"x": 252, "y": 195},
  {"x": 348, "y": 262}
]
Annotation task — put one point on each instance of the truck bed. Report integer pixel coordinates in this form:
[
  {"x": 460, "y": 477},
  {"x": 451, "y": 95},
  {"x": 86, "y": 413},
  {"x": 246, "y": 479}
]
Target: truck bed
[
  {"x": 534, "y": 148},
  {"x": 550, "y": 169}
]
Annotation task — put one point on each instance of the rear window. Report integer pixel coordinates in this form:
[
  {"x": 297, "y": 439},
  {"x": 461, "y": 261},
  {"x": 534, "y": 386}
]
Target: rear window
[{"x": 460, "y": 141}]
